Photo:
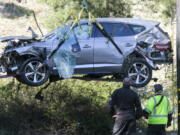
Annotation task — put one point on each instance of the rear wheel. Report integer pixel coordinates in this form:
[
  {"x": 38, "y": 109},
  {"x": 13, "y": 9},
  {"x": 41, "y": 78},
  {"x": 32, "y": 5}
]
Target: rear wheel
[
  {"x": 33, "y": 72},
  {"x": 140, "y": 72}
]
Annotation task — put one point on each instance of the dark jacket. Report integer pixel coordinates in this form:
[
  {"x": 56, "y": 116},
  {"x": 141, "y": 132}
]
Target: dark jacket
[{"x": 125, "y": 102}]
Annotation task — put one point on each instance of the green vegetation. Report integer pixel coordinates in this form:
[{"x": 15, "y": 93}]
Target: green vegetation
[
  {"x": 65, "y": 10},
  {"x": 70, "y": 106},
  {"x": 168, "y": 8},
  {"x": 107, "y": 8}
]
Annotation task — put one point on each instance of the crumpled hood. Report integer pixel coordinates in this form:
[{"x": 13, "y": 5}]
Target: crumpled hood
[{"x": 5, "y": 39}]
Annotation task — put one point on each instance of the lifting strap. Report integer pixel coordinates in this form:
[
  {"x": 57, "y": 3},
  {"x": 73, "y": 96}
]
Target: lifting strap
[
  {"x": 98, "y": 25},
  {"x": 106, "y": 35}
]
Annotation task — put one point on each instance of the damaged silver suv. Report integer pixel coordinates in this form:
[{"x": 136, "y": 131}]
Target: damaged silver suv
[{"x": 121, "y": 46}]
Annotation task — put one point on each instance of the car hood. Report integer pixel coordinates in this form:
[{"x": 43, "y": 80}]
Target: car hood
[{"x": 5, "y": 39}]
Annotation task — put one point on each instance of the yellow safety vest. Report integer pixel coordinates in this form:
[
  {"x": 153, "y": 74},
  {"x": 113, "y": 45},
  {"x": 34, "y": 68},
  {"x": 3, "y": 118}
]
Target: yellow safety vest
[{"x": 159, "y": 114}]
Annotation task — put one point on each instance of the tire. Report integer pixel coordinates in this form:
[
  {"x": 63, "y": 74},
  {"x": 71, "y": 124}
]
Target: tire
[
  {"x": 33, "y": 72},
  {"x": 140, "y": 72}
]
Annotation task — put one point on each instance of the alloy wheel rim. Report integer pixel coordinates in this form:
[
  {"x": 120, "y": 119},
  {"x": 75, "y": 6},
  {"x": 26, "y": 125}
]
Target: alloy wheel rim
[
  {"x": 35, "y": 71},
  {"x": 139, "y": 73}
]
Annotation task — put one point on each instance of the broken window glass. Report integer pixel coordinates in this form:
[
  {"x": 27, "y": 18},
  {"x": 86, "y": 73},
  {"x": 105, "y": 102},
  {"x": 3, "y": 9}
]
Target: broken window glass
[
  {"x": 65, "y": 56},
  {"x": 83, "y": 31}
]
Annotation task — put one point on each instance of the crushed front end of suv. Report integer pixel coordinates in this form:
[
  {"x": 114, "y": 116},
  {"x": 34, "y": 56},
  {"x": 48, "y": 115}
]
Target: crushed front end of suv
[{"x": 84, "y": 49}]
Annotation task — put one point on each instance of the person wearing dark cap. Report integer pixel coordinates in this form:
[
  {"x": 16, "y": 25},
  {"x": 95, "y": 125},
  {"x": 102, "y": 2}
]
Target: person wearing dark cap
[
  {"x": 158, "y": 111},
  {"x": 125, "y": 107}
]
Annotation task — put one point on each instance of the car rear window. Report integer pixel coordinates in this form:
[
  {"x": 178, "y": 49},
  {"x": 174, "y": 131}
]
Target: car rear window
[
  {"x": 137, "y": 28},
  {"x": 114, "y": 30},
  {"x": 120, "y": 30},
  {"x": 106, "y": 26}
]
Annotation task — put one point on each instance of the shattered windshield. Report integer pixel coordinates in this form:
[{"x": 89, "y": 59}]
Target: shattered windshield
[
  {"x": 54, "y": 32},
  {"x": 65, "y": 55}
]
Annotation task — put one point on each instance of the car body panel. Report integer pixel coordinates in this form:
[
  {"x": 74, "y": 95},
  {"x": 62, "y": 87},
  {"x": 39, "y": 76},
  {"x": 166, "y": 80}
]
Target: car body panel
[
  {"x": 98, "y": 54},
  {"x": 106, "y": 57},
  {"x": 84, "y": 62}
]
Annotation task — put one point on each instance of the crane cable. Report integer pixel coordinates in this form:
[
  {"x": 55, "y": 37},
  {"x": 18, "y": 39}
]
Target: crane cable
[{"x": 92, "y": 20}]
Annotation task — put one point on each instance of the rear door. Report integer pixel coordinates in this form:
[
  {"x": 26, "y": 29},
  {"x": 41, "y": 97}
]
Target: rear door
[
  {"x": 124, "y": 37},
  {"x": 106, "y": 57}
]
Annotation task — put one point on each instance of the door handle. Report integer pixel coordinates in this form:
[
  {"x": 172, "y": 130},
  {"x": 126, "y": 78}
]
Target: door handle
[
  {"x": 87, "y": 46},
  {"x": 107, "y": 42},
  {"x": 129, "y": 45}
]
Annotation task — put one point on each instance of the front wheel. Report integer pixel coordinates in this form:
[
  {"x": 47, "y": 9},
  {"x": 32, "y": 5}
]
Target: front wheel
[
  {"x": 33, "y": 72},
  {"x": 140, "y": 72}
]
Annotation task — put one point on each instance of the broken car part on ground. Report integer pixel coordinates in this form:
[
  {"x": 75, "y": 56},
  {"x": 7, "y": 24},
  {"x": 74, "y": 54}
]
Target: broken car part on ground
[{"x": 135, "y": 45}]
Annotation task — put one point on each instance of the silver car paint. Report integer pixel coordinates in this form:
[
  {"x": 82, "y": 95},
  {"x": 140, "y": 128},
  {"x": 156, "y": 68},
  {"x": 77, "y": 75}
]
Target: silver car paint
[
  {"x": 98, "y": 54},
  {"x": 85, "y": 61}
]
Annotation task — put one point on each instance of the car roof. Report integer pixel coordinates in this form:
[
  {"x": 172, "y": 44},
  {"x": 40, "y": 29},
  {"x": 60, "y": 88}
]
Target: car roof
[{"x": 146, "y": 23}]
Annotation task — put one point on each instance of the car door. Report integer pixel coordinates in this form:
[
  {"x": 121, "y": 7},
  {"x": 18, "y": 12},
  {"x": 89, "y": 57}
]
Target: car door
[
  {"x": 124, "y": 37},
  {"x": 106, "y": 57},
  {"x": 84, "y": 62}
]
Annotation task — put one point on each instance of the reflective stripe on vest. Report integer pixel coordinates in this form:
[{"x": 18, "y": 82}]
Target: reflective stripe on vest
[{"x": 158, "y": 116}]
